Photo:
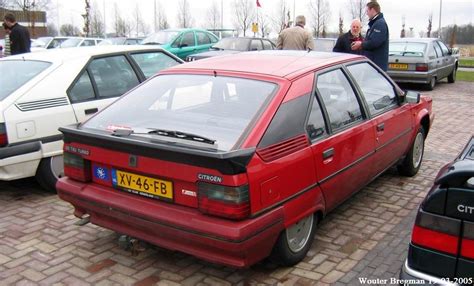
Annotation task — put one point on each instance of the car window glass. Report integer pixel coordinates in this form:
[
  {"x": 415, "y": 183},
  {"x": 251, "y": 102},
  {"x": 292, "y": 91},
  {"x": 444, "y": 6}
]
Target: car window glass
[
  {"x": 202, "y": 38},
  {"x": 256, "y": 45},
  {"x": 88, "y": 43},
  {"x": 187, "y": 40},
  {"x": 19, "y": 73},
  {"x": 431, "y": 52},
  {"x": 315, "y": 126},
  {"x": 437, "y": 49},
  {"x": 113, "y": 76},
  {"x": 82, "y": 89},
  {"x": 339, "y": 99},
  {"x": 151, "y": 63},
  {"x": 444, "y": 49},
  {"x": 267, "y": 45},
  {"x": 213, "y": 38},
  {"x": 376, "y": 89}
]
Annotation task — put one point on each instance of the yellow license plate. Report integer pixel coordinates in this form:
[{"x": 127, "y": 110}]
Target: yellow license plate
[
  {"x": 398, "y": 66},
  {"x": 142, "y": 185}
]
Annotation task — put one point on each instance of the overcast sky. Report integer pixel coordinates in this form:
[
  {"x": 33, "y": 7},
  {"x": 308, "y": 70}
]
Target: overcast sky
[{"x": 415, "y": 12}]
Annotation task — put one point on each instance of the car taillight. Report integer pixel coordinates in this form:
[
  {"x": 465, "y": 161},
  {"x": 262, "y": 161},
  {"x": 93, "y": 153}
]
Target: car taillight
[
  {"x": 467, "y": 244},
  {"x": 422, "y": 67},
  {"x": 75, "y": 167},
  {"x": 3, "y": 135},
  {"x": 436, "y": 232},
  {"x": 224, "y": 201}
]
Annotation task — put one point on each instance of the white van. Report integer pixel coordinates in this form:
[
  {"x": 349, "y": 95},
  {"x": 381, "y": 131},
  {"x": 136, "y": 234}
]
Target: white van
[{"x": 40, "y": 92}]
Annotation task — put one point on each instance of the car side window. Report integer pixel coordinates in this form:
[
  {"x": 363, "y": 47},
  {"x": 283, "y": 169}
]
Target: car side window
[
  {"x": 267, "y": 45},
  {"x": 256, "y": 45},
  {"x": 444, "y": 49},
  {"x": 188, "y": 40},
  {"x": 151, "y": 63},
  {"x": 376, "y": 89},
  {"x": 202, "y": 38},
  {"x": 88, "y": 43},
  {"x": 113, "y": 76},
  {"x": 315, "y": 126},
  {"x": 438, "y": 51},
  {"x": 431, "y": 52},
  {"x": 82, "y": 89},
  {"x": 339, "y": 98},
  {"x": 213, "y": 38}
]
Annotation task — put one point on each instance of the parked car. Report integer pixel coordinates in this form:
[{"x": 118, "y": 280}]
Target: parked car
[
  {"x": 182, "y": 42},
  {"x": 49, "y": 42},
  {"x": 45, "y": 90},
  {"x": 423, "y": 60},
  {"x": 441, "y": 250},
  {"x": 121, "y": 41},
  {"x": 40, "y": 43},
  {"x": 233, "y": 46},
  {"x": 232, "y": 162},
  {"x": 80, "y": 42},
  {"x": 324, "y": 44}
]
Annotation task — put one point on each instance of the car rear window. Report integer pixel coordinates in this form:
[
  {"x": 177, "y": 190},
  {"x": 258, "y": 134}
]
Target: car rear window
[
  {"x": 14, "y": 74},
  {"x": 215, "y": 107},
  {"x": 407, "y": 49}
]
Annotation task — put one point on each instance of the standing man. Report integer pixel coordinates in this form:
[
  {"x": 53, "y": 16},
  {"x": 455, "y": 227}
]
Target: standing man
[
  {"x": 375, "y": 45},
  {"x": 19, "y": 36},
  {"x": 295, "y": 38},
  {"x": 344, "y": 42}
]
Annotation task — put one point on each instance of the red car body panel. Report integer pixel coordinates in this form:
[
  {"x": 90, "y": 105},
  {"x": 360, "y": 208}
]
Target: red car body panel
[{"x": 287, "y": 180}]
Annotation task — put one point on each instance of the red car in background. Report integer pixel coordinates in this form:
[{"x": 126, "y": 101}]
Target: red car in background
[{"x": 234, "y": 162}]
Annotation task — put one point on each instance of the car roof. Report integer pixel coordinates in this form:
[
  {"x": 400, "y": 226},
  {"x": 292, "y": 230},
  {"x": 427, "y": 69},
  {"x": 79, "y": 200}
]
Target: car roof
[
  {"x": 287, "y": 64},
  {"x": 55, "y": 55},
  {"x": 414, "y": 40}
]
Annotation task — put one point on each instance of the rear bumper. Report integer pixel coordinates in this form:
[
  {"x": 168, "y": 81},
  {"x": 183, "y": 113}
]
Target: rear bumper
[
  {"x": 409, "y": 276},
  {"x": 412, "y": 76},
  {"x": 19, "y": 161},
  {"x": 233, "y": 243}
]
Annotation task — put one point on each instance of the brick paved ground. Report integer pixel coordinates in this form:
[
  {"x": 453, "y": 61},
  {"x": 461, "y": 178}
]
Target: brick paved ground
[{"x": 365, "y": 237}]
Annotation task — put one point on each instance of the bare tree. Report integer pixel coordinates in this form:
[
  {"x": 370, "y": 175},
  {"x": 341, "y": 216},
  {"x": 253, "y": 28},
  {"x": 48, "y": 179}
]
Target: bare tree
[
  {"x": 264, "y": 25},
  {"x": 97, "y": 24},
  {"x": 121, "y": 26},
  {"x": 69, "y": 30},
  {"x": 358, "y": 10},
  {"x": 452, "y": 36},
  {"x": 430, "y": 22},
  {"x": 160, "y": 17},
  {"x": 341, "y": 24},
  {"x": 185, "y": 19},
  {"x": 4, "y": 3},
  {"x": 280, "y": 20},
  {"x": 244, "y": 13},
  {"x": 29, "y": 7},
  {"x": 52, "y": 30},
  {"x": 141, "y": 28},
  {"x": 319, "y": 13},
  {"x": 213, "y": 16}
]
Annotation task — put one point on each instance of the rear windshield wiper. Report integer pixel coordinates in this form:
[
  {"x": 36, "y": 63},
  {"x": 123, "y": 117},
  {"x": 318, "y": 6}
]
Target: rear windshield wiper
[{"x": 182, "y": 135}]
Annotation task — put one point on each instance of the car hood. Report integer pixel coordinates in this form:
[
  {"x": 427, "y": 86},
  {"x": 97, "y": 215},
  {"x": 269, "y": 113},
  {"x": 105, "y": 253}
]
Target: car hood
[{"x": 214, "y": 53}]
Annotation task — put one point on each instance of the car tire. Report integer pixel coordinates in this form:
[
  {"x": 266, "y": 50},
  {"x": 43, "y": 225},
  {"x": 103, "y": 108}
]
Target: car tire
[
  {"x": 431, "y": 84},
  {"x": 412, "y": 162},
  {"x": 294, "y": 242},
  {"x": 452, "y": 76},
  {"x": 49, "y": 171}
]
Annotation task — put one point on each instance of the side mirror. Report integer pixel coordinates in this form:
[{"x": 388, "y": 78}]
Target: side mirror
[{"x": 411, "y": 96}]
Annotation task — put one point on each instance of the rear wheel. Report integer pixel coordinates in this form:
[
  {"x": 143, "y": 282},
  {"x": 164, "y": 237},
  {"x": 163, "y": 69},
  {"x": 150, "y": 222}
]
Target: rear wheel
[
  {"x": 431, "y": 84},
  {"x": 49, "y": 171},
  {"x": 412, "y": 162},
  {"x": 452, "y": 76},
  {"x": 295, "y": 241}
]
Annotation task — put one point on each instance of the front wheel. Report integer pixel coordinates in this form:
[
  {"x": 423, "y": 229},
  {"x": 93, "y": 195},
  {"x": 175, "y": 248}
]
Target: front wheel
[
  {"x": 49, "y": 171},
  {"x": 412, "y": 162},
  {"x": 295, "y": 241}
]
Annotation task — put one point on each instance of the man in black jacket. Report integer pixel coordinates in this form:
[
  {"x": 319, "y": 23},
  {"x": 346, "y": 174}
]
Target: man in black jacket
[
  {"x": 19, "y": 36},
  {"x": 344, "y": 42},
  {"x": 375, "y": 45}
]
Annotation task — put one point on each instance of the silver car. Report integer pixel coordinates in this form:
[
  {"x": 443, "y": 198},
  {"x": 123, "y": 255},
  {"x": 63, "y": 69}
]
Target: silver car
[{"x": 422, "y": 60}]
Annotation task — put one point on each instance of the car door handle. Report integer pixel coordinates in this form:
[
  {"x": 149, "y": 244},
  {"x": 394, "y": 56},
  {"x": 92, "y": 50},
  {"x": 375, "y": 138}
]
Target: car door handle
[
  {"x": 381, "y": 127},
  {"x": 328, "y": 153},
  {"x": 91, "y": 111}
]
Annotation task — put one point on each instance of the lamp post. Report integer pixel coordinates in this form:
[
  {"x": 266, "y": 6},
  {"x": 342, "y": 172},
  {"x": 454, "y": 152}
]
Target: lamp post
[{"x": 440, "y": 9}]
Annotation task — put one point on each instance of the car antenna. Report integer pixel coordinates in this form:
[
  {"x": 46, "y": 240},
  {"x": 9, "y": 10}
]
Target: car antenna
[{"x": 215, "y": 74}]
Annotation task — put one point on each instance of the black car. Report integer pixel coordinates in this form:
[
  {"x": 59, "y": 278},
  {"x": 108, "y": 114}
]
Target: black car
[
  {"x": 441, "y": 250},
  {"x": 233, "y": 46}
]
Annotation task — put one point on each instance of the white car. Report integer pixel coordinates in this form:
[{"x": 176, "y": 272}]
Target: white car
[{"x": 46, "y": 90}]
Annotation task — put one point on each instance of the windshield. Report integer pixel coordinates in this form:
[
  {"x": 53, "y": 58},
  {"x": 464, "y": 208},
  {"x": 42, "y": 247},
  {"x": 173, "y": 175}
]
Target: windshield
[
  {"x": 407, "y": 49},
  {"x": 218, "y": 108},
  {"x": 16, "y": 73},
  {"x": 160, "y": 38},
  {"x": 69, "y": 43},
  {"x": 40, "y": 42},
  {"x": 235, "y": 44}
]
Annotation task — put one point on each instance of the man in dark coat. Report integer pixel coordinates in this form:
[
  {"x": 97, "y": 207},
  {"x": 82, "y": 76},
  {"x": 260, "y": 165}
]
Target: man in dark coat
[
  {"x": 375, "y": 45},
  {"x": 344, "y": 42},
  {"x": 19, "y": 36}
]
